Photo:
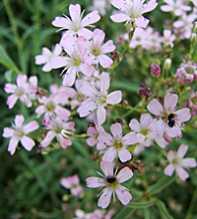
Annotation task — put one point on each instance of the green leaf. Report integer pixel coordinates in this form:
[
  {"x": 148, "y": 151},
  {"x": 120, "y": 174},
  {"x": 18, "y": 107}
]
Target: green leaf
[
  {"x": 163, "y": 210},
  {"x": 143, "y": 204},
  {"x": 6, "y": 61},
  {"x": 124, "y": 213},
  {"x": 147, "y": 214},
  {"x": 124, "y": 85},
  {"x": 163, "y": 183}
]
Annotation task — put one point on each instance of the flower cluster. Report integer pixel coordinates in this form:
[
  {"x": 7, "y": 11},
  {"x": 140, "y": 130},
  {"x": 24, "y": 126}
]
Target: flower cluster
[{"x": 84, "y": 57}]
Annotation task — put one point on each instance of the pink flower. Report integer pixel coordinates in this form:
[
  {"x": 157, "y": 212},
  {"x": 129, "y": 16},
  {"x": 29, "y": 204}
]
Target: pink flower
[
  {"x": 97, "y": 136},
  {"x": 99, "y": 50},
  {"x": 97, "y": 98},
  {"x": 178, "y": 7},
  {"x": 47, "y": 58},
  {"x": 76, "y": 61},
  {"x": 173, "y": 119},
  {"x": 75, "y": 24},
  {"x": 168, "y": 38},
  {"x": 59, "y": 129},
  {"x": 111, "y": 184},
  {"x": 179, "y": 164},
  {"x": 19, "y": 133},
  {"x": 155, "y": 70},
  {"x": 24, "y": 90},
  {"x": 132, "y": 10},
  {"x": 118, "y": 144},
  {"x": 50, "y": 106},
  {"x": 72, "y": 183}
]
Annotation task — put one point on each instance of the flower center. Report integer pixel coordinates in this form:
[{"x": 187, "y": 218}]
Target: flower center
[
  {"x": 96, "y": 51},
  {"x": 19, "y": 133},
  {"x": 19, "y": 92},
  {"x": 176, "y": 161},
  {"x": 101, "y": 100},
  {"x": 112, "y": 182},
  {"x": 144, "y": 131},
  {"x": 171, "y": 120},
  {"x": 77, "y": 61},
  {"x": 118, "y": 144},
  {"x": 50, "y": 107}
]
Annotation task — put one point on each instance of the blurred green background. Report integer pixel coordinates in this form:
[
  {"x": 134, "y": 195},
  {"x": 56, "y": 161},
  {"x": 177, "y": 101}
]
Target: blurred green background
[{"x": 29, "y": 182}]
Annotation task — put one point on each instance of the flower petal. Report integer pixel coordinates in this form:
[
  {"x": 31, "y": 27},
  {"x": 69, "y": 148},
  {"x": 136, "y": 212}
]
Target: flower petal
[
  {"x": 183, "y": 174},
  {"x": 13, "y": 145},
  {"x": 30, "y": 127},
  {"x": 109, "y": 154},
  {"x": 27, "y": 143},
  {"x": 170, "y": 102},
  {"x": 182, "y": 150},
  {"x": 101, "y": 115},
  {"x": 155, "y": 107},
  {"x": 48, "y": 139},
  {"x": 189, "y": 163},
  {"x": 124, "y": 174},
  {"x": 123, "y": 195},
  {"x": 169, "y": 170},
  {"x": 120, "y": 17},
  {"x": 91, "y": 18},
  {"x": 114, "y": 97},
  {"x": 94, "y": 182},
  {"x": 134, "y": 125},
  {"x": 105, "y": 61},
  {"x": 183, "y": 115},
  {"x": 124, "y": 155},
  {"x": 105, "y": 198}
]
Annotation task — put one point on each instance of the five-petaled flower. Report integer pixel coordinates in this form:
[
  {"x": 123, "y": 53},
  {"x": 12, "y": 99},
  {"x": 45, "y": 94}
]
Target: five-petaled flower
[{"x": 111, "y": 184}]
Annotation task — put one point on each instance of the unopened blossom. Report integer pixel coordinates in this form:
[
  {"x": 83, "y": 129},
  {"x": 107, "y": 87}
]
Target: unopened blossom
[
  {"x": 97, "y": 99},
  {"x": 76, "y": 24},
  {"x": 179, "y": 164},
  {"x": 19, "y": 133},
  {"x": 186, "y": 73},
  {"x": 24, "y": 90},
  {"x": 47, "y": 57},
  {"x": 168, "y": 38},
  {"x": 73, "y": 184},
  {"x": 131, "y": 11},
  {"x": 155, "y": 70},
  {"x": 52, "y": 106},
  {"x": 59, "y": 129},
  {"x": 173, "y": 119},
  {"x": 178, "y": 7},
  {"x": 99, "y": 49},
  {"x": 76, "y": 60},
  {"x": 119, "y": 143},
  {"x": 111, "y": 184},
  {"x": 97, "y": 136}
]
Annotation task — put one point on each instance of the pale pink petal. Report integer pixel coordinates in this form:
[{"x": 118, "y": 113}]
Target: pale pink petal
[
  {"x": 91, "y": 18},
  {"x": 134, "y": 125},
  {"x": 57, "y": 50},
  {"x": 183, "y": 115},
  {"x": 10, "y": 88},
  {"x": 75, "y": 12},
  {"x": 11, "y": 101},
  {"x": 155, "y": 107},
  {"x": 98, "y": 37},
  {"x": 124, "y": 174},
  {"x": 114, "y": 97},
  {"x": 84, "y": 32},
  {"x": 108, "y": 47},
  {"x": 94, "y": 182},
  {"x": 149, "y": 6},
  {"x": 146, "y": 120},
  {"x": 116, "y": 130},
  {"x": 62, "y": 112},
  {"x": 119, "y": 4},
  {"x": 70, "y": 77},
  {"x": 40, "y": 110},
  {"x": 130, "y": 139},
  {"x": 170, "y": 102},
  {"x": 105, "y": 198},
  {"x": 123, "y": 195},
  {"x": 109, "y": 154},
  {"x": 58, "y": 62},
  {"x": 13, "y": 145},
  {"x": 182, "y": 173},
  {"x": 189, "y": 163},
  {"x": 21, "y": 80},
  {"x": 91, "y": 141},
  {"x": 120, "y": 17},
  {"x": 8, "y": 132},
  {"x": 27, "y": 143},
  {"x": 105, "y": 61},
  {"x": 101, "y": 115},
  {"x": 87, "y": 69},
  {"x": 182, "y": 150},
  {"x": 174, "y": 132},
  {"x": 47, "y": 67},
  {"x": 48, "y": 139},
  {"x": 61, "y": 22},
  {"x": 107, "y": 168},
  {"x": 169, "y": 170},
  {"x": 141, "y": 22},
  {"x": 30, "y": 127},
  {"x": 19, "y": 120},
  {"x": 104, "y": 82},
  {"x": 124, "y": 155},
  {"x": 86, "y": 108},
  {"x": 64, "y": 142}
]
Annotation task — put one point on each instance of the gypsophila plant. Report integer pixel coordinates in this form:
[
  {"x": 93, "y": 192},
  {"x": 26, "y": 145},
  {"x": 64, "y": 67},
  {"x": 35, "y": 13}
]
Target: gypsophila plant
[{"x": 136, "y": 141}]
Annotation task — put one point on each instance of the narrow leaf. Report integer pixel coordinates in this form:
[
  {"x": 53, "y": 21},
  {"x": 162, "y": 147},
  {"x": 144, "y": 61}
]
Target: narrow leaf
[{"x": 163, "y": 210}]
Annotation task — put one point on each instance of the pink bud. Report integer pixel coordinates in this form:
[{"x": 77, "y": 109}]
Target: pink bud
[{"x": 155, "y": 70}]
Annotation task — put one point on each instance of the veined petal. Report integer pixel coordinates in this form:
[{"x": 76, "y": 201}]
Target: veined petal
[
  {"x": 105, "y": 198},
  {"x": 91, "y": 18},
  {"x": 30, "y": 127},
  {"x": 95, "y": 182},
  {"x": 169, "y": 170},
  {"x": 27, "y": 143},
  {"x": 124, "y": 174},
  {"x": 114, "y": 97},
  {"x": 123, "y": 195},
  {"x": 155, "y": 107},
  {"x": 120, "y": 17},
  {"x": 124, "y": 155}
]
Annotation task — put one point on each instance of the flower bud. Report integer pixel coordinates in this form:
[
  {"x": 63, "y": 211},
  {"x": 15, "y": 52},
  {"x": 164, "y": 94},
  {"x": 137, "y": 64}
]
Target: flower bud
[
  {"x": 144, "y": 91},
  {"x": 167, "y": 64},
  {"x": 155, "y": 70}
]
